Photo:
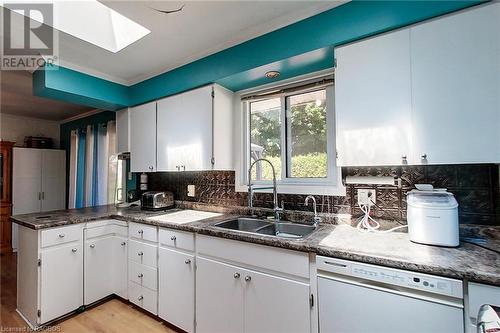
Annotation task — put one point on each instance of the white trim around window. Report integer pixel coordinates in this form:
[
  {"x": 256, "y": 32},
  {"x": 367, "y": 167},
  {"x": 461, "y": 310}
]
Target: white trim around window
[{"x": 330, "y": 185}]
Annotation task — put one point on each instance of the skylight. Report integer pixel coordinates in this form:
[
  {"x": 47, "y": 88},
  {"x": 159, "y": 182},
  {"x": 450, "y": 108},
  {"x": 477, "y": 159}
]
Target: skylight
[{"x": 88, "y": 20}]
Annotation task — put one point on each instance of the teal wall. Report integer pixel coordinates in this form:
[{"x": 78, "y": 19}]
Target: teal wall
[
  {"x": 65, "y": 134},
  {"x": 234, "y": 67}
]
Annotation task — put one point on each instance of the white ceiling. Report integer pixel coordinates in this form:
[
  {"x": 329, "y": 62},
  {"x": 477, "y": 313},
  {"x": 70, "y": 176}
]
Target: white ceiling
[
  {"x": 200, "y": 29},
  {"x": 16, "y": 97}
]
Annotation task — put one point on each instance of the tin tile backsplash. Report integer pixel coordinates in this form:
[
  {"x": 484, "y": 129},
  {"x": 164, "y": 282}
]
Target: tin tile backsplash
[{"x": 476, "y": 188}]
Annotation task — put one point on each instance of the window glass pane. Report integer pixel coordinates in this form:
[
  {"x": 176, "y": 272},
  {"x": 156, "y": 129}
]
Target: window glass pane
[
  {"x": 307, "y": 135},
  {"x": 265, "y": 137}
]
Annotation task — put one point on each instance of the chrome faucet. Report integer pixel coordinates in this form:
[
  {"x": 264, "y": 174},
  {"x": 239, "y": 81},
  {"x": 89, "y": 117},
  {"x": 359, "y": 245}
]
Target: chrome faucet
[
  {"x": 316, "y": 219},
  {"x": 277, "y": 210}
]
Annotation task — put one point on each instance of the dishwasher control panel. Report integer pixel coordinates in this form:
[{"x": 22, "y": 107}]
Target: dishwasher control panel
[{"x": 406, "y": 279}]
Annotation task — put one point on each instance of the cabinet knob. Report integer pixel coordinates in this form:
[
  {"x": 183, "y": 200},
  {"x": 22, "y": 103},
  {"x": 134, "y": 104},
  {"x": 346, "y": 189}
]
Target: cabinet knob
[
  {"x": 248, "y": 278},
  {"x": 123, "y": 244},
  {"x": 236, "y": 275},
  {"x": 140, "y": 254},
  {"x": 178, "y": 167},
  {"x": 183, "y": 168},
  {"x": 61, "y": 235},
  {"x": 73, "y": 250},
  {"x": 140, "y": 231},
  {"x": 404, "y": 160},
  {"x": 140, "y": 276},
  {"x": 187, "y": 261},
  {"x": 92, "y": 245},
  {"x": 151, "y": 167},
  {"x": 173, "y": 238},
  {"x": 140, "y": 298},
  {"x": 424, "y": 157}
]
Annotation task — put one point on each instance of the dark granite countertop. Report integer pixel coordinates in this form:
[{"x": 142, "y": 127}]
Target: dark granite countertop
[{"x": 469, "y": 261}]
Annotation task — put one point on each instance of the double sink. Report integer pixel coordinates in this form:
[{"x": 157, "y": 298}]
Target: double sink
[{"x": 268, "y": 228}]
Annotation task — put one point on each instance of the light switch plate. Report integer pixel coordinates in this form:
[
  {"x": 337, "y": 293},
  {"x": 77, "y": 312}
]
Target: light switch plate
[
  {"x": 367, "y": 196},
  {"x": 191, "y": 190}
]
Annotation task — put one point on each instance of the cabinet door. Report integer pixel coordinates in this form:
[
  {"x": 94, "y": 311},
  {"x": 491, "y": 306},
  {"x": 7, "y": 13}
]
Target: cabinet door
[
  {"x": 122, "y": 131},
  {"x": 61, "y": 281},
  {"x": 373, "y": 100},
  {"x": 53, "y": 180},
  {"x": 456, "y": 87},
  {"x": 26, "y": 180},
  {"x": 275, "y": 304},
  {"x": 185, "y": 131},
  {"x": 143, "y": 138},
  {"x": 120, "y": 264},
  {"x": 98, "y": 269},
  {"x": 176, "y": 289},
  {"x": 219, "y": 297}
]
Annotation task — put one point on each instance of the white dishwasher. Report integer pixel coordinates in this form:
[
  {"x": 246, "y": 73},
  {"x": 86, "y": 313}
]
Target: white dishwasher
[{"x": 356, "y": 297}]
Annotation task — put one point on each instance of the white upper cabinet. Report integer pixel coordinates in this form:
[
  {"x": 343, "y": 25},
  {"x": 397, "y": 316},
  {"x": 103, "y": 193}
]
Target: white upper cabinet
[
  {"x": 122, "y": 131},
  {"x": 185, "y": 131},
  {"x": 142, "y": 120},
  {"x": 456, "y": 88},
  {"x": 373, "y": 100},
  {"x": 430, "y": 92},
  {"x": 194, "y": 130}
]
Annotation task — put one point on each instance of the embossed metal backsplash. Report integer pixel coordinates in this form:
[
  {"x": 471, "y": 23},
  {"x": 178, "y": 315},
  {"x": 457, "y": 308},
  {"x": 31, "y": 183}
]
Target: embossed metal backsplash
[{"x": 476, "y": 188}]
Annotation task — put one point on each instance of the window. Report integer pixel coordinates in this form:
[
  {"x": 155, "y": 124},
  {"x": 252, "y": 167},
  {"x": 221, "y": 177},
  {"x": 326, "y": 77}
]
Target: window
[{"x": 293, "y": 129}]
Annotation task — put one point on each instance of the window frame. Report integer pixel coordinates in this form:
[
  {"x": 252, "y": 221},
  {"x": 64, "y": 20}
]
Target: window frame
[{"x": 330, "y": 185}]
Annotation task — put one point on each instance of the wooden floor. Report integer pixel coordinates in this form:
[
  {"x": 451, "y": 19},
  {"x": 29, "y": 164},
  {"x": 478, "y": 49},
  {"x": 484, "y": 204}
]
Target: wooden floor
[{"x": 112, "y": 316}]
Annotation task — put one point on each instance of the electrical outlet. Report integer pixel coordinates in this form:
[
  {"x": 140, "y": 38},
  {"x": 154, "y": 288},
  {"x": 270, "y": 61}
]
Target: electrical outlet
[
  {"x": 366, "y": 196},
  {"x": 191, "y": 190}
]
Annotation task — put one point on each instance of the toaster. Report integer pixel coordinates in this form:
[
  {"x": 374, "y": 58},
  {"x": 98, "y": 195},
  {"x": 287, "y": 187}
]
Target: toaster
[
  {"x": 433, "y": 217},
  {"x": 157, "y": 200}
]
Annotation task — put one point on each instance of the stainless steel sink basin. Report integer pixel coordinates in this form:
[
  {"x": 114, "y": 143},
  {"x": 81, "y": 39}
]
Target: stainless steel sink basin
[
  {"x": 287, "y": 230},
  {"x": 243, "y": 224},
  {"x": 269, "y": 228}
]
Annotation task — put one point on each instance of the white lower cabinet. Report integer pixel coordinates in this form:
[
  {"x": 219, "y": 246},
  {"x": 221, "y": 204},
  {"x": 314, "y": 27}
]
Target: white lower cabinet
[
  {"x": 105, "y": 269},
  {"x": 143, "y": 267},
  {"x": 61, "y": 281},
  {"x": 176, "y": 288},
  {"x": 49, "y": 273},
  {"x": 231, "y": 298}
]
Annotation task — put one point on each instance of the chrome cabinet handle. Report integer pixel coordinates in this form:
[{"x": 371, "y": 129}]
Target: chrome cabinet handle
[
  {"x": 424, "y": 157},
  {"x": 173, "y": 238},
  {"x": 151, "y": 168},
  {"x": 187, "y": 261},
  {"x": 248, "y": 278},
  {"x": 43, "y": 195},
  {"x": 92, "y": 245},
  {"x": 236, "y": 275},
  {"x": 73, "y": 250},
  {"x": 140, "y": 276},
  {"x": 123, "y": 244},
  {"x": 61, "y": 235},
  {"x": 39, "y": 195},
  {"x": 183, "y": 168},
  {"x": 140, "y": 231},
  {"x": 140, "y": 254},
  {"x": 140, "y": 298},
  {"x": 178, "y": 167}
]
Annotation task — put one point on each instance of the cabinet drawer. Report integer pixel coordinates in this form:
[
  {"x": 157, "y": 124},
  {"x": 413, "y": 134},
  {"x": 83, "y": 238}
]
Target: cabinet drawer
[
  {"x": 143, "y": 232},
  {"x": 177, "y": 239},
  {"x": 267, "y": 257},
  {"x": 143, "y": 275},
  {"x": 143, "y": 253},
  {"x": 61, "y": 235},
  {"x": 143, "y": 297}
]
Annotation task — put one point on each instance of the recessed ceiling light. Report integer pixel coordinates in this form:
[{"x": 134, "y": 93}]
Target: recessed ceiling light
[
  {"x": 272, "y": 74},
  {"x": 88, "y": 20}
]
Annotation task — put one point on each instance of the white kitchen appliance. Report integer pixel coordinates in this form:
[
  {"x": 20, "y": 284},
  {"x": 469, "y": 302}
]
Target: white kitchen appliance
[
  {"x": 356, "y": 297},
  {"x": 483, "y": 307},
  {"x": 433, "y": 217}
]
